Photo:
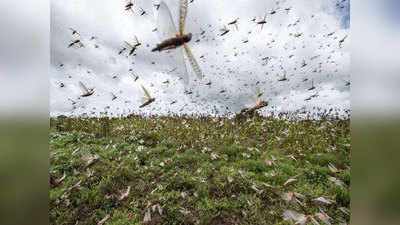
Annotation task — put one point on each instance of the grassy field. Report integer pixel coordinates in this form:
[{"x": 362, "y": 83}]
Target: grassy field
[{"x": 168, "y": 170}]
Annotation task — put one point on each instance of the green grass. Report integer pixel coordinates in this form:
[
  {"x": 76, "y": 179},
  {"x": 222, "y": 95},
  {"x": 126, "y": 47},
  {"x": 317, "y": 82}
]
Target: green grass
[{"x": 198, "y": 170}]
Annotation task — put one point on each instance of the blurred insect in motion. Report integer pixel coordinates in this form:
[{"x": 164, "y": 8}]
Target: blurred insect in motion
[
  {"x": 157, "y": 6},
  {"x": 121, "y": 50},
  {"x": 86, "y": 92},
  {"x": 257, "y": 104},
  {"x": 312, "y": 86},
  {"x": 298, "y": 35},
  {"x": 342, "y": 40},
  {"x": 171, "y": 39},
  {"x": 311, "y": 97},
  {"x": 224, "y": 31},
  {"x": 148, "y": 99},
  {"x": 304, "y": 64},
  {"x": 76, "y": 43},
  {"x": 132, "y": 47},
  {"x": 113, "y": 96},
  {"x": 262, "y": 22},
  {"x": 284, "y": 78},
  {"x": 72, "y": 101},
  {"x": 234, "y": 23},
  {"x": 288, "y": 10},
  {"x": 74, "y": 31},
  {"x": 142, "y": 12},
  {"x": 129, "y": 6}
]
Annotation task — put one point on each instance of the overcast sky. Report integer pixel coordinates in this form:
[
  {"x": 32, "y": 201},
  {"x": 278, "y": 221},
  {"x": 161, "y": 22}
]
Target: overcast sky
[{"x": 309, "y": 32}]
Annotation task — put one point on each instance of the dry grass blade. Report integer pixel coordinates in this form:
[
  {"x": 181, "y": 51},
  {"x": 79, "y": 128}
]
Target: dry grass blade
[
  {"x": 104, "y": 220},
  {"x": 289, "y": 181}
]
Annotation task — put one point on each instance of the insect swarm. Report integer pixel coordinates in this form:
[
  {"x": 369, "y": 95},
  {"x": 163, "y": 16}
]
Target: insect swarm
[{"x": 176, "y": 158}]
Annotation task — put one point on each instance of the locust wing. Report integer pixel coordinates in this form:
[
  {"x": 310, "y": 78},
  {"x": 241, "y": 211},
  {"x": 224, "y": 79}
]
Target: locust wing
[
  {"x": 83, "y": 87},
  {"x": 129, "y": 45},
  {"x": 253, "y": 99},
  {"x": 179, "y": 64},
  {"x": 165, "y": 24},
  {"x": 183, "y": 6},
  {"x": 137, "y": 40},
  {"x": 193, "y": 62},
  {"x": 146, "y": 92},
  {"x": 256, "y": 97}
]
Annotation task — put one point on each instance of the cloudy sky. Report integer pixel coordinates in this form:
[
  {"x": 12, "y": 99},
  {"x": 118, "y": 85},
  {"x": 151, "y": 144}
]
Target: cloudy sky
[{"x": 303, "y": 43}]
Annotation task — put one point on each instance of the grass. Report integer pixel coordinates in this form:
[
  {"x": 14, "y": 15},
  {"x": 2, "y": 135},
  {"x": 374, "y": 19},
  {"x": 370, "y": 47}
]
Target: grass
[{"x": 196, "y": 170}]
